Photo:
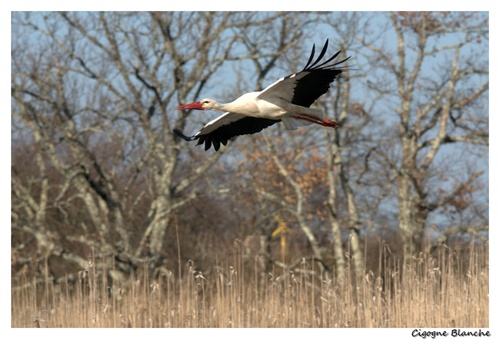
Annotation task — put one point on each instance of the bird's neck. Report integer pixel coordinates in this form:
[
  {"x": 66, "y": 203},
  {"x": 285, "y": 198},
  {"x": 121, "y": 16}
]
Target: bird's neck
[
  {"x": 233, "y": 106},
  {"x": 223, "y": 107}
]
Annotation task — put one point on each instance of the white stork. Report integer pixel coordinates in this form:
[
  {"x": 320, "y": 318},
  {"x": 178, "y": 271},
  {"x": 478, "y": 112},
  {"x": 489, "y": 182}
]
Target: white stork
[{"x": 286, "y": 100}]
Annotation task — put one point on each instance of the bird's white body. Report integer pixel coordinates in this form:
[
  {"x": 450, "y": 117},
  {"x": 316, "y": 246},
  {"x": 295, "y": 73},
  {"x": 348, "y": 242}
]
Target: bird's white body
[
  {"x": 287, "y": 100},
  {"x": 267, "y": 106}
]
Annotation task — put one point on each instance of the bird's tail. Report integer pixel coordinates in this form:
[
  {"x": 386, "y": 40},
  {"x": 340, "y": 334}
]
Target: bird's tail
[{"x": 290, "y": 123}]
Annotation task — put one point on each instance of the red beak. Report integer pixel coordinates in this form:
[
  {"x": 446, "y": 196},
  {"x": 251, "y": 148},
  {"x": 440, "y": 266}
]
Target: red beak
[{"x": 193, "y": 105}]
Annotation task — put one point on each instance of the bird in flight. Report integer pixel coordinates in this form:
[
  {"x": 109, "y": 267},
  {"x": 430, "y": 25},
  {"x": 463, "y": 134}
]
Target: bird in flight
[{"x": 287, "y": 100}]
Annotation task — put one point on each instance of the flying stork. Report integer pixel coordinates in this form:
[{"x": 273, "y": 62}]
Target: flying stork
[{"x": 286, "y": 100}]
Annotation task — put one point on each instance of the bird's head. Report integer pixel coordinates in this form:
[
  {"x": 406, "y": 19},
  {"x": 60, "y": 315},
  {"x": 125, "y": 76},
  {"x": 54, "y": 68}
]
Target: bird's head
[{"x": 200, "y": 105}]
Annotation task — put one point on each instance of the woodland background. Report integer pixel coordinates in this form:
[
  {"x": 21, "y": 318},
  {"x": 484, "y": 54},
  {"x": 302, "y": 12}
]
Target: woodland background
[{"x": 97, "y": 173}]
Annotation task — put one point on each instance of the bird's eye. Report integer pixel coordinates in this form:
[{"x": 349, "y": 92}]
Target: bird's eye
[{"x": 205, "y": 102}]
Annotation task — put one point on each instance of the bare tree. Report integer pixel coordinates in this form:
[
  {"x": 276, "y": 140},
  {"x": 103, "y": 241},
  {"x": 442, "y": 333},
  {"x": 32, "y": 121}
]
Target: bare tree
[
  {"x": 434, "y": 87},
  {"x": 349, "y": 136}
]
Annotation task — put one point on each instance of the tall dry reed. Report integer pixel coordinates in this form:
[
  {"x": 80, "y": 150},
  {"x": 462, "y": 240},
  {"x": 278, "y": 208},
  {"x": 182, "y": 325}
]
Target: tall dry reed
[{"x": 447, "y": 289}]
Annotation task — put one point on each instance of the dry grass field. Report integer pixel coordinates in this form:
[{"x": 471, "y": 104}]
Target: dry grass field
[{"x": 448, "y": 289}]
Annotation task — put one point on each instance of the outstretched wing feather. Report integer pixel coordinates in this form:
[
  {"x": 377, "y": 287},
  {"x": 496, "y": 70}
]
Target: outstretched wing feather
[
  {"x": 305, "y": 87},
  {"x": 220, "y": 134}
]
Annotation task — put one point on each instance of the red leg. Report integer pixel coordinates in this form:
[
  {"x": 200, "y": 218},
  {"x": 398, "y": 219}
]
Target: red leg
[{"x": 322, "y": 122}]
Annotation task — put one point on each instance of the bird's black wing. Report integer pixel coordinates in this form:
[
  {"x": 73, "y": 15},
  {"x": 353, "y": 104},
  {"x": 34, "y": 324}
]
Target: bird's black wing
[
  {"x": 227, "y": 126},
  {"x": 304, "y": 87}
]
